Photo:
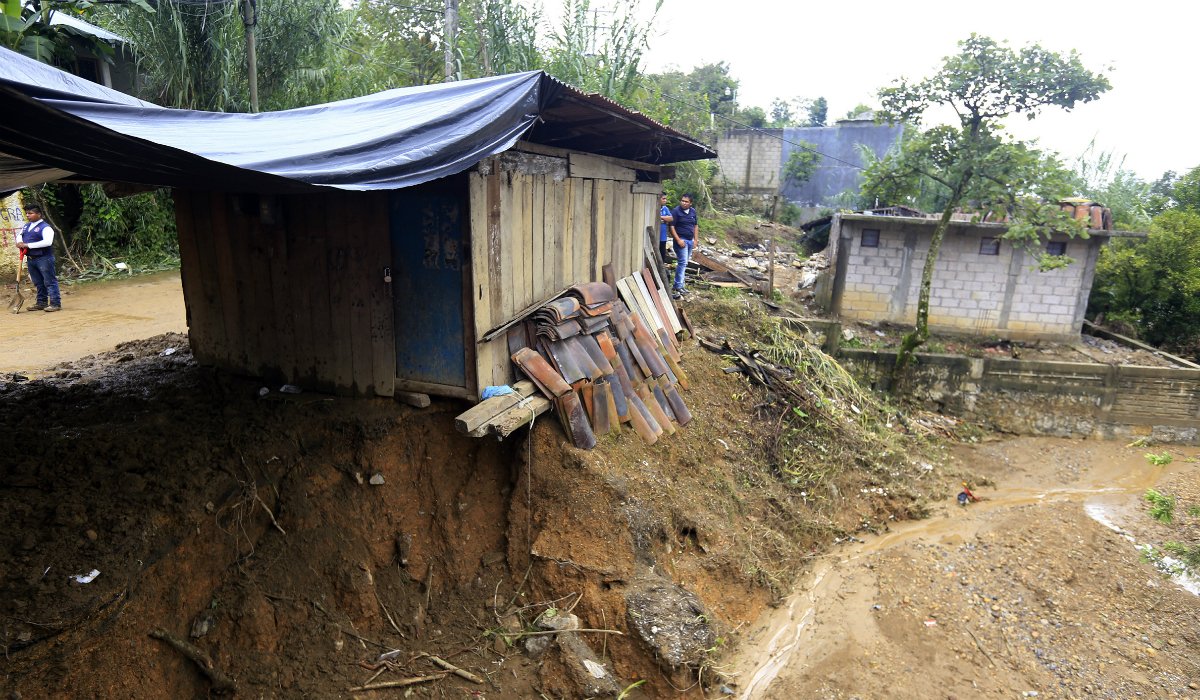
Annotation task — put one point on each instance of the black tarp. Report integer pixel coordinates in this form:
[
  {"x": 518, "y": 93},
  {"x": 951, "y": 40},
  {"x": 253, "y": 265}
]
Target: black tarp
[{"x": 56, "y": 123}]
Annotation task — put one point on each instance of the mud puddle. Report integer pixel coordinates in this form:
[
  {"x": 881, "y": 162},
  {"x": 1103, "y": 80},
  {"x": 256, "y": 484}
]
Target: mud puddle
[{"x": 1109, "y": 490}]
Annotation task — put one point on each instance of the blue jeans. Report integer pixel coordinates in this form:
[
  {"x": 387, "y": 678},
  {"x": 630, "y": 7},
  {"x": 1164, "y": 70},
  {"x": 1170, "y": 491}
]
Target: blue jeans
[
  {"x": 41, "y": 271},
  {"x": 682, "y": 255}
]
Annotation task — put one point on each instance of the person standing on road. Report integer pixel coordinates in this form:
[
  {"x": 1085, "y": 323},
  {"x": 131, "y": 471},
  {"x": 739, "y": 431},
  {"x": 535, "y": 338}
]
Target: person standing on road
[
  {"x": 664, "y": 228},
  {"x": 684, "y": 223},
  {"x": 37, "y": 240}
]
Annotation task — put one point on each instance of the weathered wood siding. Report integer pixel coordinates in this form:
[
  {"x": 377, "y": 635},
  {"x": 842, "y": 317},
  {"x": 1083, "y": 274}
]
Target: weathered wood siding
[
  {"x": 542, "y": 223},
  {"x": 290, "y": 288}
]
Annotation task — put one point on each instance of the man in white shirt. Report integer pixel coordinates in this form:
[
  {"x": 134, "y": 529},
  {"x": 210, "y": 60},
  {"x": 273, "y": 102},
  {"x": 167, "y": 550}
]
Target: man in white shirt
[{"x": 37, "y": 240}]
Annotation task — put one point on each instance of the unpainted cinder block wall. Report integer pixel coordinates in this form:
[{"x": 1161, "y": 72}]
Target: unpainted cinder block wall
[
  {"x": 1064, "y": 399},
  {"x": 750, "y": 160},
  {"x": 1001, "y": 295}
]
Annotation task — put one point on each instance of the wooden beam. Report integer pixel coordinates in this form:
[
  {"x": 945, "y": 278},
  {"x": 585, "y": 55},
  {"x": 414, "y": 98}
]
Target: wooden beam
[
  {"x": 508, "y": 422},
  {"x": 592, "y": 167},
  {"x": 544, "y": 150},
  {"x": 471, "y": 420}
]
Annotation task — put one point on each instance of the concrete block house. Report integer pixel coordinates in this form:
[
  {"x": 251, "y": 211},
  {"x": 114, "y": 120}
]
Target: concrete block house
[{"x": 982, "y": 285}]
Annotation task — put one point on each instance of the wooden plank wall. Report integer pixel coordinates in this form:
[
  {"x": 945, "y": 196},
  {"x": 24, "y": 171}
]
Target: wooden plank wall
[
  {"x": 538, "y": 226},
  {"x": 290, "y": 288}
]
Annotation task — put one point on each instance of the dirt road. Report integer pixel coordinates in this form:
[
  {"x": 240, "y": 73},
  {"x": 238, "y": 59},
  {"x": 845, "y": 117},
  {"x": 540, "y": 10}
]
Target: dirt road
[
  {"x": 1030, "y": 593},
  {"x": 95, "y": 317}
]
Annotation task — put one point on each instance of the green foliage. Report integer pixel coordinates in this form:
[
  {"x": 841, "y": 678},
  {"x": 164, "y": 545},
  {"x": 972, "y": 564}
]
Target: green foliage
[
  {"x": 608, "y": 62},
  {"x": 1186, "y": 191},
  {"x": 789, "y": 214},
  {"x": 859, "y": 110},
  {"x": 1103, "y": 178},
  {"x": 781, "y": 112},
  {"x": 25, "y": 28},
  {"x": 802, "y": 162},
  {"x": 1162, "y": 506},
  {"x": 193, "y": 56},
  {"x": 1188, "y": 554},
  {"x": 96, "y": 230},
  {"x": 1159, "y": 459},
  {"x": 692, "y": 177},
  {"x": 983, "y": 84},
  {"x": 498, "y": 37},
  {"x": 818, "y": 112},
  {"x": 1154, "y": 282},
  {"x": 752, "y": 116}
]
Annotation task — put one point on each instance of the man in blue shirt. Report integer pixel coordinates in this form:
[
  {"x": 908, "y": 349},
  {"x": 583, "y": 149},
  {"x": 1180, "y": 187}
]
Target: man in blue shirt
[
  {"x": 684, "y": 223},
  {"x": 664, "y": 228},
  {"x": 37, "y": 240}
]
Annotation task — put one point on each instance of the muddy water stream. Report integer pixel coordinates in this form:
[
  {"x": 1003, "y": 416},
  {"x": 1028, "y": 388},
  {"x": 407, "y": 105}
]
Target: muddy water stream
[{"x": 1109, "y": 491}]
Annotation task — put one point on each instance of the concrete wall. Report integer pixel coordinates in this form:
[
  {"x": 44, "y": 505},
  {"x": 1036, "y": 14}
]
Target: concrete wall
[
  {"x": 1002, "y": 295},
  {"x": 843, "y": 142},
  {"x": 1063, "y": 399},
  {"x": 751, "y": 160}
]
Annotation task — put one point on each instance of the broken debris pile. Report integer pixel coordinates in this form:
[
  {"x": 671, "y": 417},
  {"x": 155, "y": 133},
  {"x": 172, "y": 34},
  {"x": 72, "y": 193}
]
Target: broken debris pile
[{"x": 600, "y": 365}]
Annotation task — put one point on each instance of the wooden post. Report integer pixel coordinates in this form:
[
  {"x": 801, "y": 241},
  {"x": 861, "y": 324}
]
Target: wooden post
[
  {"x": 250, "y": 19},
  {"x": 770, "y": 271}
]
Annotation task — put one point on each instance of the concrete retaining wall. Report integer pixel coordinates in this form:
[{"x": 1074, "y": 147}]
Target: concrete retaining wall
[{"x": 1065, "y": 399}]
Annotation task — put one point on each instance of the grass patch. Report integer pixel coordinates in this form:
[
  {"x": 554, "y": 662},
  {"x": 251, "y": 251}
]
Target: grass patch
[
  {"x": 1162, "y": 506},
  {"x": 1159, "y": 460}
]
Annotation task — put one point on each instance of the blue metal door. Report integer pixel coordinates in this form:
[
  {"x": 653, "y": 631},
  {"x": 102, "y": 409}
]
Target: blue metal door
[{"x": 428, "y": 230}]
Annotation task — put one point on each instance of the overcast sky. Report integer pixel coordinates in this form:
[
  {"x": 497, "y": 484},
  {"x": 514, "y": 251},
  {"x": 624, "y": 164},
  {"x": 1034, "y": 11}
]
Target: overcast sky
[{"x": 845, "y": 51}]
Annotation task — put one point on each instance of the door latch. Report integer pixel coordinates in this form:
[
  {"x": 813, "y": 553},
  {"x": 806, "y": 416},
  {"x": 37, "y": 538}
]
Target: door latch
[{"x": 387, "y": 275}]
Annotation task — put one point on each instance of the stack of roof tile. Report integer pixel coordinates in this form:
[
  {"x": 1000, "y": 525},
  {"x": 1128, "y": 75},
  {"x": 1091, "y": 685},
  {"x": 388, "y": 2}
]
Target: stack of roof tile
[{"x": 601, "y": 367}]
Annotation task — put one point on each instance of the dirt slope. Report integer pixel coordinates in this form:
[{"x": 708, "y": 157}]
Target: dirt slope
[{"x": 253, "y": 527}]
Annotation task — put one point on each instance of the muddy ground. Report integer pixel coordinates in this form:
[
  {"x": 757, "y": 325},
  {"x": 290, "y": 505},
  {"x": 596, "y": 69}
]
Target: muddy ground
[
  {"x": 1029, "y": 593},
  {"x": 95, "y": 317},
  {"x": 294, "y": 538}
]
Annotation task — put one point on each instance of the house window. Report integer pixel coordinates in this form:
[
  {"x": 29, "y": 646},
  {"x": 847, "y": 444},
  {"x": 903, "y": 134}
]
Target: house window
[
  {"x": 870, "y": 238},
  {"x": 1056, "y": 248},
  {"x": 989, "y": 246}
]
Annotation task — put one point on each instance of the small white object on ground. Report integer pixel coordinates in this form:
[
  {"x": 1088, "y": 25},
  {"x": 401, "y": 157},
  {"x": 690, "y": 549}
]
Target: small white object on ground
[{"x": 86, "y": 578}]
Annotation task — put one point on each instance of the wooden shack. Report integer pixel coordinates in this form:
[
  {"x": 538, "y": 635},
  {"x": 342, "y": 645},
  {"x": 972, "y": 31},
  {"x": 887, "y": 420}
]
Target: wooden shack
[
  {"x": 384, "y": 270},
  {"x": 295, "y": 287}
]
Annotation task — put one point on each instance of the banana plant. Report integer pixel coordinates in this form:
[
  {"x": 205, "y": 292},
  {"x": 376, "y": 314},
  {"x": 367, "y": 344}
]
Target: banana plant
[{"x": 25, "y": 28}]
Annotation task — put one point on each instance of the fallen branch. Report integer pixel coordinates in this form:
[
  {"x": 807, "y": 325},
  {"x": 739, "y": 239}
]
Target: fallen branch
[
  {"x": 400, "y": 683},
  {"x": 263, "y": 503},
  {"x": 446, "y": 665},
  {"x": 538, "y": 632},
  {"x": 220, "y": 682},
  {"x": 981, "y": 649},
  {"x": 388, "y": 614}
]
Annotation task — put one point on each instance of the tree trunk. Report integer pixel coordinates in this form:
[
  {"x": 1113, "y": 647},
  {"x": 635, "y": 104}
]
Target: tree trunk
[{"x": 920, "y": 332}]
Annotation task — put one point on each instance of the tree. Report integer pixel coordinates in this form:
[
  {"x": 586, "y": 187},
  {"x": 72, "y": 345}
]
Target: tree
[
  {"x": 1154, "y": 283},
  {"x": 25, "y": 28},
  {"x": 1185, "y": 191},
  {"x": 781, "y": 113},
  {"x": 608, "y": 62},
  {"x": 802, "y": 162},
  {"x": 753, "y": 117},
  {"x": 984, "y": 83},
  {"x": 859, "y": 110},
  {"x": 1103, "y": 178},
  {"x": 818, "y": 111},
  {"x": 193, "y": 56}
]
